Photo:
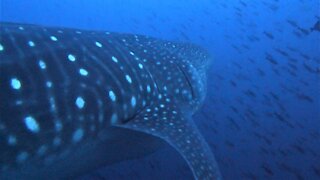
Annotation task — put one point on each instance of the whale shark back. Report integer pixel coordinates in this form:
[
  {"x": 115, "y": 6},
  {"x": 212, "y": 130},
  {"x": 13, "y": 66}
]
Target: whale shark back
[{"x": 67, "y": 96}]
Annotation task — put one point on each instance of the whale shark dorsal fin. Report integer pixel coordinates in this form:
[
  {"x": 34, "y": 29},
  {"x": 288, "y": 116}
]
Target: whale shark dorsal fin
[{"x": 166, "y": 120}]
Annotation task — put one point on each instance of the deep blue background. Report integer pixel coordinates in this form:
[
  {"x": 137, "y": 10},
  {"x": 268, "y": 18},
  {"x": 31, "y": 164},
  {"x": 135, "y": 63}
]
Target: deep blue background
[{"x": 255, "y": 118}]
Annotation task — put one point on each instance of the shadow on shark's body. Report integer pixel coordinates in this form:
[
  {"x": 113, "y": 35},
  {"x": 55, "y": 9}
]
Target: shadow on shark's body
[{"x": 75, "y": 100}]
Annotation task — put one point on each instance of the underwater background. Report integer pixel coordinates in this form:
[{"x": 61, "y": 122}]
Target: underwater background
[{"x": 262, "y": 113}]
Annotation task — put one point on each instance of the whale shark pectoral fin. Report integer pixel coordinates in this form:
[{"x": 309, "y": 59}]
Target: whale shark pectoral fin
[{"x": 166, "y": 121}]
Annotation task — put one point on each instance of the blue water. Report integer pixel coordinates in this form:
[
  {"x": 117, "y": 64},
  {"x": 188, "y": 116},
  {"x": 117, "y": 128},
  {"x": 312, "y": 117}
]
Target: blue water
[{"x": 262, "y": 112}]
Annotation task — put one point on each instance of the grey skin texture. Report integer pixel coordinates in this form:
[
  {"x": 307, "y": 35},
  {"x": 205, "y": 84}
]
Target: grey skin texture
[{"x": 74, "y": 100}]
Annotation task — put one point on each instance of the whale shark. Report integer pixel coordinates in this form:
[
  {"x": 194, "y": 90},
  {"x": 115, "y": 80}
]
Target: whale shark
[{"x": 74, "y": 100}]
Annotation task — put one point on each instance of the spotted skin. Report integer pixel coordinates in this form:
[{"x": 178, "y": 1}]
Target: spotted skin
[{"x": 67, "y": 92}]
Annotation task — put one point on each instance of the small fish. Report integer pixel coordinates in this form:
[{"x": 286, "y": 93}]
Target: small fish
[{"x": 316, "y": 26}]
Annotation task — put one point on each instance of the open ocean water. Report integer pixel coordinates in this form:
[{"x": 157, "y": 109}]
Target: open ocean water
[{"x": 261, "y": 115}]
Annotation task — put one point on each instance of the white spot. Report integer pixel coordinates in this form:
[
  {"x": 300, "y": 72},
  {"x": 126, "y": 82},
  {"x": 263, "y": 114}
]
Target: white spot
[
  {"x": 52, "y": 104},
  {"x": 98, "y": 44},
  {"x": 114, "y": 59},
  {"x": 31, "y": 43},
  {"x": 131, "y": 53},
  {"x": 128, "y": 78},
  {"x": 83, "y": 72},
  {"x": 80, "y": 102},
  {"x": 42, "y": 150},
  {"x": 56, "y": 141},
  {"x": 77, "y": 135},
  {"x": 31, "y": 124},
  {"x": 49, "y": 84},
  {"x": 1, "y": 47},
  {"x": 12, "y": 140},
  {"x": 21, "y": 28},
  {"x": 22, "y": 157},
  {"x": 42, "y": 64},
  {"x": 71, "y": 57},
  {"x": 15, "y": 83},
  {"x": 19, "y": 102},
  {"x": 148, "y": 89},
  {"x": 114, "y": 118},
  {"x": 53, "y": 38},
  {"x": 133, "y": 101},
  {"x": 140, "y": 66},
  {"x": 161, "y": 105},
  {"x": 58, "y": 126},
  {"x": 112, "y": 96}
]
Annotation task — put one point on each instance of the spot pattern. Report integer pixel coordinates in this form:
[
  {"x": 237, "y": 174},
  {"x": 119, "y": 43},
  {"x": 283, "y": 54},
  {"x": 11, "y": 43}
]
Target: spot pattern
[
  {"x": 98, "y": 44},
  {"x": 83, "y": 72},
  {"x": 128, "y": 78},
  {"x": 181, "y": 134},
  {"x": 114, "y": 59},
  {"x": 87, "y": 82},
  {"x": 71, "y": 57},
  {"x": 112, "y": 96},
  {"x": 80, "y": 102},
  {"x": 77, "y": 135},
  {"x": 31, "y": 43},
  {"x": 42, "y": 64},
  {"x": 15, "y": 83},
  {"x": 53, "y": 38},
  {"x": 32, "y": 124}
]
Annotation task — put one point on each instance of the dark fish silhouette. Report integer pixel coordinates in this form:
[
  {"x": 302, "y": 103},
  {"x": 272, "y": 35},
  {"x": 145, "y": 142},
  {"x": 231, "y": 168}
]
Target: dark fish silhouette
[{"x": 316, "y": 26}]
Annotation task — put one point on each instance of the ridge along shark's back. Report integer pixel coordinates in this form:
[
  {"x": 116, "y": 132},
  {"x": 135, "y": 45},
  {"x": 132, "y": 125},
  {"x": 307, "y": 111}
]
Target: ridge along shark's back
[{"x": 73, "y": 100}]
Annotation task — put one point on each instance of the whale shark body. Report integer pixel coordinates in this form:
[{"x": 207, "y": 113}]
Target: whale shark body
[{"x": 73, "y": 100}]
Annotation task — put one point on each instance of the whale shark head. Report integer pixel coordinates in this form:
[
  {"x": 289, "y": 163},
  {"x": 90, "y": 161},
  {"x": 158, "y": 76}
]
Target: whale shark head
[{"x": 72, "y": 100}]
